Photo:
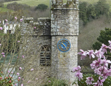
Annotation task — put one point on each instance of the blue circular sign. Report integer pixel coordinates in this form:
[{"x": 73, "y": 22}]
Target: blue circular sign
[{"x": 63, "y": 45}]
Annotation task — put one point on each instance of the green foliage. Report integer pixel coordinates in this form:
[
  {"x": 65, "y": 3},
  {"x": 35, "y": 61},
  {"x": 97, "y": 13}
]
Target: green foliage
[
  {"x": 104, "y": 36},
  {"x": 16, "y": 7},
  {"x": 97, "y": 45},
  {"x": 7, "y": 81},
  {"x": 41, "y": 7},
  {"x": 101, "y": 8},
  {"x": 89, "y": 12},
  {"x": 95, "y": 77},
  {"x": 56, "y": 82}
]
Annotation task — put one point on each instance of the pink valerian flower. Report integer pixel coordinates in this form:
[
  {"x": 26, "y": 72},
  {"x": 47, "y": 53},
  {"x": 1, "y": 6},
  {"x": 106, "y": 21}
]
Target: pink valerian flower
[
  {"x": 29, "y": 81},
  {"x": 18, "y": 41},
  {"x": 101, "y": 70},
  {"x": 91, "y": 54},
  {"x": 104, "y": 48},
  {"x": 89, "y": 80},
  {"x": 109, "y": 45},
  {"x": 105, "y": 62},
  {"x": 19, "y": 77},
  {"x": 1, "y": 28},
  {"x": 16, "y": 18},
  {"x": 23, "y": 56},
  {"x": 99, "y": 53},
  {"x": 7, "y": 24},
  {"x": 79, "y": 75},
  {"x": 76, "y": 69},
  {"x": 83, "y": 54},
  {"x": 32, "y": 69},
  {"x": 22, "y": 85},
  {"x": 36, "y": 78},
  {"x": 34, "y": 27},
  {"x": 20, "y": 68},
  {"x": 99, "y": 82},
  {"x": 18, "y": 74},
  {"x": 3, "y": 55},
  {"x": 96, "y": 64},
  {"x": 49, "y": 81},
  {"x": 15, "y": 84},
  {"x": 21, "y": 19},
  {"x": 6, "y": 20}
]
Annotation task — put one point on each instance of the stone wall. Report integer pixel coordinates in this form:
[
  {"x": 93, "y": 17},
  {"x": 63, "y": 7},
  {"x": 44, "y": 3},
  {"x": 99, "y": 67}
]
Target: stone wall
[
  {"x": 64, "y": 24},
  {"x": 32, "y": 46}
]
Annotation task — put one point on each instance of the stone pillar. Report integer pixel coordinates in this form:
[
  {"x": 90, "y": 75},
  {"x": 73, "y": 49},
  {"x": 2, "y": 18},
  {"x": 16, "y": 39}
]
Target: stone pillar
[{"x": 64, "y": 26}]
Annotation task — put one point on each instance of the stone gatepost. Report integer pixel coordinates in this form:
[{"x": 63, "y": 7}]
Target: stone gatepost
[{"x": 64, "y": 39}]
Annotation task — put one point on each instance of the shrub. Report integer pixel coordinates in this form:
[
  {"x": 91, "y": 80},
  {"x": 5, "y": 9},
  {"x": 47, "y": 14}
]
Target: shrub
[
  {"x": 100, "y": 67},
  {"x": 41, "y": 7},
  {"x": 56, "y": 82}
]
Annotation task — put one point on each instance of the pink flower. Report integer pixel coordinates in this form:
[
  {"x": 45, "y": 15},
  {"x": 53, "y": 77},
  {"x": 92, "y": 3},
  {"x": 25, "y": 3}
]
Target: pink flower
[
  {"x": 19, "y": 77},
  {"x": 99, "y": 53},
  {"x": 20, "y": 68},
  {"x": 105, "y": 62},
  {"x": 21, "y": 84},
  {"x": 1, "y": 28},
  {"x": 32, "y": 69},
  {"x": 0, "y": 21},
  {"x": 18, "y": 74},
  {"x": 22, "y": 56},
  {"x": 29, "y": 81},
  {"x": 15, "y": 84},
  {"x": 104, "y": 48},
  {"x": 36, "y": 78},
  {"x": 79, "y": 75},
  {"x": 21, "y": 19},
  {"x": 89, "y": 80},
  {"x": 96, "y": 64},
  {"x": 76, "y": 69},
  {"x": 49, "y": 81},
  {"x": 18, "y": 41},
  {"x": 83, "y": 54},
  {"x": 99, "y": 82},
  {"x": 8, "y": 71},
  {"x": 34, "y": 27},
  {"x": 0, "y": 44},
  {"x": 3, "y": 55},
  {"x": 109, "y": 45},
  {"x": 16, "y": 18},
  {"x": 91, "y": 54},
  {"x": 6, "y": 20}
]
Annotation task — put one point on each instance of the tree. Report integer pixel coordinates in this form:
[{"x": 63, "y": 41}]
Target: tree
[
  {"x": 104, "y": 36},
  {"x": 83, "y": 12},
  {"x": 41, "y": 7},
  {"x": 101, "y": 8}
]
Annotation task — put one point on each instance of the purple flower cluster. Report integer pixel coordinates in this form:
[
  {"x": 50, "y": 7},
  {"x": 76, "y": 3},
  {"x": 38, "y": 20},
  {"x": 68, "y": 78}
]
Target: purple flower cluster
[{"x": 100, "y": 66}]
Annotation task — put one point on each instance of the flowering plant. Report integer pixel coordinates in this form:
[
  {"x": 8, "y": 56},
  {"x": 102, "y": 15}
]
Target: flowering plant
[
  {"x": 6, "y": 81},
  {"x": 100, "y": 66}
]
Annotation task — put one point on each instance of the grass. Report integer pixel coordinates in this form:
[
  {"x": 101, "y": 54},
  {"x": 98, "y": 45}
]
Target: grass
[
  {"x": 4, "y": 9},
  {"x": 31, "y": 2}
]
